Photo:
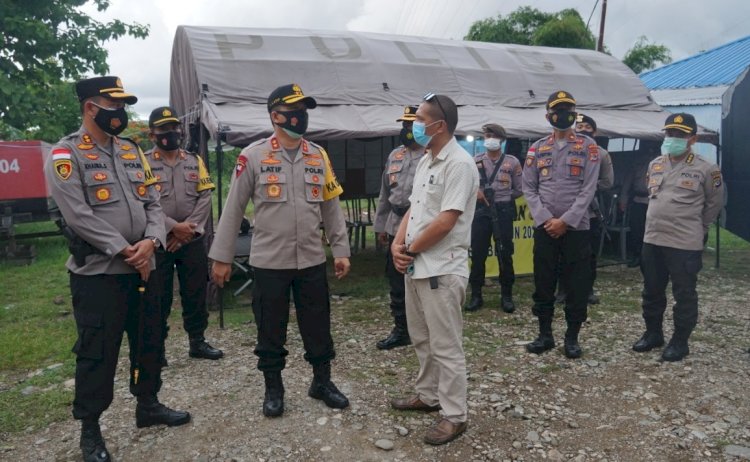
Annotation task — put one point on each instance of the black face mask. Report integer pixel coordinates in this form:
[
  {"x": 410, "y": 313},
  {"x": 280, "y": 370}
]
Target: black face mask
[
  {"x": 168, "y": 141},
  {"x": 111, "y": 121},
  {"x": 406, "y": 136},
  {"x": 296, "y": 121},
  {"x": 562, "y": 120}
]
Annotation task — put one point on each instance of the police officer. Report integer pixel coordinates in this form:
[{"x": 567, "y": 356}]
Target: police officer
[
  {"x": 634, "y": 194},
  {"x": 185, "y": 187},
  {"x": 686, "y": 196},
  {"x": 586, "y": 125},
  {"x": 559, "y": 183},
  {"x": 104, "y": 188},
  {"x": 499, "y": 186},
  {"x": 395, "y": 189},
  {"x": 291, "y": 183}
]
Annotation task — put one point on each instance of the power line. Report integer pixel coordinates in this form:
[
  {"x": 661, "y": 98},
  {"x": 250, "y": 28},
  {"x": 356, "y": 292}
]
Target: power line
[{"x": 592, "y": 13}]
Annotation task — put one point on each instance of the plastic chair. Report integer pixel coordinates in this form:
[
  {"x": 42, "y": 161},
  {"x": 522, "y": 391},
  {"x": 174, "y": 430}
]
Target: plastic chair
[{"x": 241, "y": 262}]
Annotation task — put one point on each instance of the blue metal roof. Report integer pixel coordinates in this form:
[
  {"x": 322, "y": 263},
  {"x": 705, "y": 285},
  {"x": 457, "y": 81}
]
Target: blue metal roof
[{"x": 718, "y": 66}]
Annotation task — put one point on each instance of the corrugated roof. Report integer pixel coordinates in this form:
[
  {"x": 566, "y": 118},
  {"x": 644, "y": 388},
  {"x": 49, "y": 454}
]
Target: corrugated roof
[
  {"x": 718, "y": 66},
  {"x": 689, "y": 96}
]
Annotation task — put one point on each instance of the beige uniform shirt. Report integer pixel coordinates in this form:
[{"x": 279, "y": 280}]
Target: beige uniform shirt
[
  {"x": 395, "y": 189},
  {"x": 290, "y": 195},
  {"x": 106, "y": 195},
  {"x": 450, "y": 181},
  {"x": 684, "y": 199},
  {"x": 185, "y": 189}
]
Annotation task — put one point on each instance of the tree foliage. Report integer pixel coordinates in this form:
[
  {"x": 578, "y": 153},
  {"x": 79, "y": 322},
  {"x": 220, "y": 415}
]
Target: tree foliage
[
  {"x": 47, "y": 44},
  {"x": 645, "y": 55},
  {"x": 529, "y": 26}
]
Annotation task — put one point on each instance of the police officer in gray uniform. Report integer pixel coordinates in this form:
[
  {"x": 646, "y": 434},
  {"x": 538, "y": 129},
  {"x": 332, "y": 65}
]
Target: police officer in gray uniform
[
  {"x": 634, "y": 194},
  {"x": 184, "y": 187},
  {"x": 499, "y": 186},
  {"x": 104, "y": 188},
  {"x": 395, "y": 189},
  {"x": 292, "y": 185},
  {"x": 559, "y": 182},
  {"x": 686, "y": 196}
]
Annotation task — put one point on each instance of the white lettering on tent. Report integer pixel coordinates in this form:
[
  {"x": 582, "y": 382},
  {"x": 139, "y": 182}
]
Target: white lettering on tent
[
  {"x": 353, "y": 52},
  {"x": 226, "y": 43},
  {"x": 411, "y": 57}
]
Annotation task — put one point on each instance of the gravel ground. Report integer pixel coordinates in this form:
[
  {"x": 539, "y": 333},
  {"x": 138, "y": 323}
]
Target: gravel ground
[{"x": 613, "y": 404}]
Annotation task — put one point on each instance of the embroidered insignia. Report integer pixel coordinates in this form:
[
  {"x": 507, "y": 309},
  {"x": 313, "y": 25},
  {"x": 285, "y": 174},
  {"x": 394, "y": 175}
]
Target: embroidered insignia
[
  {"x": 126, "y": 147},
  {"x": 529, "y": 161},
  {"x": 157, "y": 156},
  {"x": 241, "y": 164},
  {"x": 652, "y": 182},
  {"x": 546, "y": 162},
  {"x": 100, "y": 176},
  {"x": 193, "y": 176},
  {"x": 716, "y": 177},
  {"x": 506, "y": 165},
  {"x": 315, "y": 191},
  {"x": 275, "y": 144},
  {"x": 577, "y": 147},
  {"x": 314, "y": 163},
  {"x": 92, "y": 156},
  {"x": 394, "y": 168},
  {"x": 273, "y": 190},
  {"x": 139, "y": 175},
  {"x": 102, "y": 194},
  {"x": 305, "y": 146},
  {"x": 575, "y": 160},
  {"x": 129, "y": 156},
  {"x": 86, "y": 138},
  {"x": 545, "y": 148},
  {"x": 311, "y": 156},
  {"x": 316, "y": 179},
  {"x": 575, "y": 171},
  {"x": 690, "y": 159},
  {"x": 593, "y": 153},
  {"x": 166, "y": 113},
  {"x": 141, "y": 190},
  {"x": 158, "y": 177},
  {"x": 562, "y": 94},
  {"x": 158, "y": 187},
  {"x": 85, "y": 147},
  {"x": 679, "y": 119},
  {"x": 62, "y": 163},
  {"x": 272, "y": 178},
  {"x": 399, "y": 155},
  {"x": 545, "y": 172},
  {"x": 687, "y": 184},
  {"x": 657, "y": 167},
  {"x": 394, "y": 178},
  {"x": 270, "y": 159}
]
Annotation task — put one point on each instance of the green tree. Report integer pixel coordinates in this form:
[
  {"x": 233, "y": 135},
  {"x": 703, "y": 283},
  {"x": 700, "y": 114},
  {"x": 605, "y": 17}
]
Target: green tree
[
  {"x": 645, "y": 55},
  {"x": 47, "y": 44},
  {"x": 529, "y": 26}
]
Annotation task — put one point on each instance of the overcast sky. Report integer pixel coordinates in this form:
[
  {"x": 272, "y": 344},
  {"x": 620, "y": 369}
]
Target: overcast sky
[{"x": 686, "y": 27}]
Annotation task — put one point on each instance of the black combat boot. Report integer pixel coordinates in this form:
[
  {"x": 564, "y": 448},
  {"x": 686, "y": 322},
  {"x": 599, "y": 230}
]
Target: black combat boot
[
  {"x": 506, "y": 299},
  {"x": 593, "y": 298},
  {"x": 322, "y": 388},
  {"x": 476, "y": 300},
  {"x": 199, "y": 348},
  {"x": 545, "y": 341},
  {"x": 92, "y": 443},
  {"x": 652, "y": 338},
  {"x": 677, "y": 348},
  {"x": 149, "y": 412},
  {"x": 572, "y": 349},
  {"x": 273, "y": 402},
  {"x": 399, "y": 336}
]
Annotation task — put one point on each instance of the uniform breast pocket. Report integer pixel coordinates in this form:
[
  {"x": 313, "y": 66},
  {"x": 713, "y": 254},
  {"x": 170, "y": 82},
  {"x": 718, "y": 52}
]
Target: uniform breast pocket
[
  {"x": 687, "y": 191},
  {"x": 191, "y": 182},
  {"x": 273, "y": 187},
  {"x": 100, "y": 188},
  {"x": 136, "y": 183},
  {"x": 654, "y": 183},
  {"x": 575, "y": 167},
  {"x": 314, "y": 187}
]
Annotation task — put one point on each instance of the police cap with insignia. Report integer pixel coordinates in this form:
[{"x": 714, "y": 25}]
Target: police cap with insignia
[
  {"x": 584, "y": 119},
  {"x": 560, "y": 97},
  {"x": 495, "y": 129},
  {"x": 683, "y": 122},
  {"x": 162, "y": 115},
  {"x": 108, "y": 86},
  {"x": 289, "y": 94},
  {"x": 410, "y": 114}
]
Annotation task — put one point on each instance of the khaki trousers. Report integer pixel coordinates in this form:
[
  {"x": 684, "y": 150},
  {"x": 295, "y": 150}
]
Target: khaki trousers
[{"x": 436, "y": 330}]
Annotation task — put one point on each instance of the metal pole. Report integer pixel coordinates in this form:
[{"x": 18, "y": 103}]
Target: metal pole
[{"x": 600, "y": 45}]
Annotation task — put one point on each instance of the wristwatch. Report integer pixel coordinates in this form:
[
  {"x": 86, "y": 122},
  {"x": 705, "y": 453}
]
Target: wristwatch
[
  {"x": 409, "y": 253},
  {"x": 155, "y": 240}
]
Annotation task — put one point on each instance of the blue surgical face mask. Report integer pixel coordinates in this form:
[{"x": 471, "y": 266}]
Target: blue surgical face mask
[
  {"x": 492, "y": 144},
  {"x": 674, "y": 147},
  {"x": 418, "y": 130}
]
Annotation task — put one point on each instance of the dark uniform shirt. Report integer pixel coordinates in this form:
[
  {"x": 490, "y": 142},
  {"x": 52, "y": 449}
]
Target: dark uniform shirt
[{"x": 106, "y": 196}]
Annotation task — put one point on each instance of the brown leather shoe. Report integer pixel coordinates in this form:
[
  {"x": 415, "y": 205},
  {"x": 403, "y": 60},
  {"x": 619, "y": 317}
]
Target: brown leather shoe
[
  {"x": 443, "y": 431},
  {"x": 412, "y": 403}
]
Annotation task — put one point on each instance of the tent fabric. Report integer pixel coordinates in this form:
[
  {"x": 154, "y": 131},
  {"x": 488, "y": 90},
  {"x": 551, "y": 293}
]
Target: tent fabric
[
  {"x": 734, "y": 157},
  {"x": 362, "y": 80}
]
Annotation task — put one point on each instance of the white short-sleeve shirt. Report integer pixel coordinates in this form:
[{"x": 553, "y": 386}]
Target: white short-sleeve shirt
[{"x": 446, "y": 181}]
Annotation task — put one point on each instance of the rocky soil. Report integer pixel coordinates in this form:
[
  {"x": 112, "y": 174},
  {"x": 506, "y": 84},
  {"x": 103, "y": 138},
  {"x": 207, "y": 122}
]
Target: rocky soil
[{"x": 613, "y": 404}]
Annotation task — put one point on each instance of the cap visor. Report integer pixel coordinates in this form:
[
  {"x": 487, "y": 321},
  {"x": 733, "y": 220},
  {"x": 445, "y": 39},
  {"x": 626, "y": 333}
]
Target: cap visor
[
  {"x": 308, "y": 100},
  {"x": 166, "y": 120},
  {"x": 560, "y": 101},
  {"x": 407, "y": 118},
  {"x": 127, "y": 97},
  {"x": 682, "y": 128}
]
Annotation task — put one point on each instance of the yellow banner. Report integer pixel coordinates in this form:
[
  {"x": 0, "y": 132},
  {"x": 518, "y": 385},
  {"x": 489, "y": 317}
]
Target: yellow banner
[{"x": 523, "y": 243}]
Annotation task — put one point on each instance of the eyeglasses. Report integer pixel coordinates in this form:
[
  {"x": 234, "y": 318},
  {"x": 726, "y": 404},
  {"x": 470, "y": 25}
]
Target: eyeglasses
[{"x": 432, "y": 96}]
